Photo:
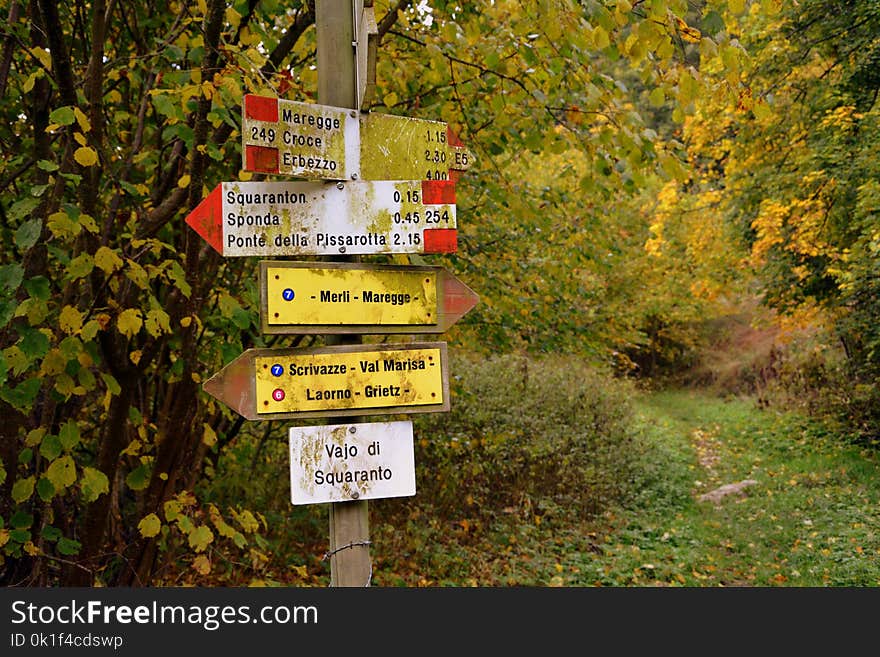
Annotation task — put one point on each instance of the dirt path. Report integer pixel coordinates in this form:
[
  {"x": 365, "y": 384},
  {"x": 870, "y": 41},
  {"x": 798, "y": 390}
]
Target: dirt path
[{"x": 739, "y": 496}]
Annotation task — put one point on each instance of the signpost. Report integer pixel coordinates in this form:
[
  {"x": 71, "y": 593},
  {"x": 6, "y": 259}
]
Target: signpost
[
  {"x": 372, "y": 184},
  {"x": 300, "y": 218},
  {"x": 366, "y": 47},
  {"x": 343, "y": 462},
  {"x": 312, "y": 298},
  {"x": 306, "y": 140},
  {"x": 275, "y": 384}
]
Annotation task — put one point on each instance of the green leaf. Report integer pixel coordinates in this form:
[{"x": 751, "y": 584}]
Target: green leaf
[
  {"x": 93, "y": 484},
  {"x": 68, "y": 547},
  {"x": 28, "y": 233},
  {"x": 25, "y": 456},
  {"x": 23, "y": 395},
  {"x": 178, "y": 277},
  {"x": 62, "y": 115},
  {"x": 7, "y": 311},
  {"x": 111, "y": 383},
  {"x": 34, "y": 343},
  {"x": 11, "y": 276},
  {"x": 200, "y": 538},
  {"x": 20, "y": 535},
  {"x": 22, "y": 490},
  {"x": 71, "y": 347},
  {"x": 50, "y": 447},
  {"x": 38, "y": 287},
  {"x": 21, "y": 520},
  {"x": 81, "y": 266},
  {"x": 150, "y": 526},
  {"x": 21, "y": 209},
  {"x": 50, "y": 533},
  {"x": 45, "y": 489},
  {"x": 138, "y": 478},
  {"x": 62, "y": 472},
  {"x": 69, "y": 435},
  {"x": 241, "y": 318}
]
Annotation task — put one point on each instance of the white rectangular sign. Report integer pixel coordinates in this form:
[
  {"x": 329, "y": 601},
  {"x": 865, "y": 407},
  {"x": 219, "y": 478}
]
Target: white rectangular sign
[
  {"x": 318, "y": 218},
  {"x": 345, "y": 462}
]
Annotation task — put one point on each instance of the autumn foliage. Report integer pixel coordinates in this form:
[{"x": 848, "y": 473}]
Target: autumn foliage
[{"x": 641, "y": 166}]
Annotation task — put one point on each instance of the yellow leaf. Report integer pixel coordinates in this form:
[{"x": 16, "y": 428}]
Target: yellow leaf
[
  {"x": 150, "y": 526},
  {"x": 657, "y": 97},
  {"x": 85, "y": 156},
  {"x": 70, "y": 320},
  {"x": 80, "y": 138},
  {"x": 35, "y": 437},
  {"x": 172, "y": 510},
  {"x": 31, "y": 80},
  {"x": 83, "y": 121},
  {"x": 200, "y": 538},
  {"x": 129, "y": 322},
  {"x": 135, "y": 356},
  {"x": 93, "y": 484},
  {"x": 202, "y": 564},
  {"x": 183, "y": 183},
  {"x": 233, "y": 18},
  {"x": 42, "y": 54},
  {"x": 209, "y": 437},
  {"x": 106, "y": 259},
  {"x": 158, "y": 322},
  {"x": 62, "y": 472}
]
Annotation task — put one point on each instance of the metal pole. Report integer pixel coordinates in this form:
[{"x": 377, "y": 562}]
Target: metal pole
[{"x": 337, "y": 69}]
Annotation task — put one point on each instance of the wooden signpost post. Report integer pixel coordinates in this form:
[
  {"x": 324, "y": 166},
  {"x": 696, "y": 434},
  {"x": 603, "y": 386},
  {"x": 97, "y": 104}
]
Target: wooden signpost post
[{"x": 373, "y": 184}]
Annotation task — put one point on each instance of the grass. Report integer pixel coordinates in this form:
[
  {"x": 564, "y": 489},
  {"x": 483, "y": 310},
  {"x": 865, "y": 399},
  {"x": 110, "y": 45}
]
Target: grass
[{"x": 810, "y": 520}]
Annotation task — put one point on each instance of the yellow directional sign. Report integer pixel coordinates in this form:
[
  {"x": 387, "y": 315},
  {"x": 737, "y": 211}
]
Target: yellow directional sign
[
  {"x": 309, "y": 297},
  {"x": 266, "y": 384},
  {"x": 363, "y": 379},
  {"x": 324, "y": 295}
]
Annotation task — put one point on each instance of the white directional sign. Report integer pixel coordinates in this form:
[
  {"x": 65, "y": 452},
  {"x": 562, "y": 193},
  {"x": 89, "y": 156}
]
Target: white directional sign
[
  {"x": 344, "y": 462},
  {"x": 320, "y": 218}
]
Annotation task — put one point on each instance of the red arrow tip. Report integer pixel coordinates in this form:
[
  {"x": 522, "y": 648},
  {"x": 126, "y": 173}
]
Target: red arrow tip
[
  {"x": 234, "y": 386},
  {"x": 207, "y": 219}
]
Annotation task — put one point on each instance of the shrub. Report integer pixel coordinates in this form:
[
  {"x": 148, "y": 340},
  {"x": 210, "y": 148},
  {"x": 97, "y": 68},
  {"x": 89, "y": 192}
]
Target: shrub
[{"x": 544, "y": 433}]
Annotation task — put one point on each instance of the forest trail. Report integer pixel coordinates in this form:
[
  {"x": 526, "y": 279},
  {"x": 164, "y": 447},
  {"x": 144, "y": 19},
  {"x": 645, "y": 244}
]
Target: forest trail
[{"x": 743, "y": 496}]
